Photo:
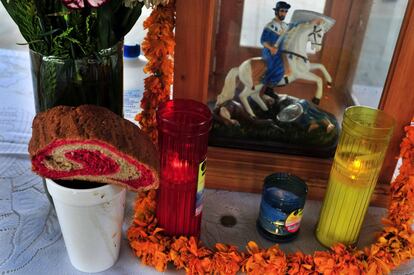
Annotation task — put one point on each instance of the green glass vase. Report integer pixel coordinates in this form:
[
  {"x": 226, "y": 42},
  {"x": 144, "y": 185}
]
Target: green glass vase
[
  {"x": 94, "y": 80},
  {"x": 358, "y": 160}
]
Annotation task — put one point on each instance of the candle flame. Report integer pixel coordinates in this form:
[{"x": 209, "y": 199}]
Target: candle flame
[
  {"x": 357, "y": 164},
  {"x": 176, "y": 163}
]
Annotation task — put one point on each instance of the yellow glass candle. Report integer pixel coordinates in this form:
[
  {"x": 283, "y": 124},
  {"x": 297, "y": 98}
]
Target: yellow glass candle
[{"x": 358, "y": 160}]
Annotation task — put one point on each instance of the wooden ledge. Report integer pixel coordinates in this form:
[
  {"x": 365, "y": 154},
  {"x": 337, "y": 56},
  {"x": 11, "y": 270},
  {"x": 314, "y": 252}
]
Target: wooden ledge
[{"x": 244, "y": 171}]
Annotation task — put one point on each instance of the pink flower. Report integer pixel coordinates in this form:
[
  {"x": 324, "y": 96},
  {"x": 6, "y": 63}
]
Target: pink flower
[{"x": 79, "y": 4}]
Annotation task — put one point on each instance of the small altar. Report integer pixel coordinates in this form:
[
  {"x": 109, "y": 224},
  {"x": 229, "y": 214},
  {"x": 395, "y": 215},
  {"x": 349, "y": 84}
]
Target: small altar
[{"x": 31, "y": 241}]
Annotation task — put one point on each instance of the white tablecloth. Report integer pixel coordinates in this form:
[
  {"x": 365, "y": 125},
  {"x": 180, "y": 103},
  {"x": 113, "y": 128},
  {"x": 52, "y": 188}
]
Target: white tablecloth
[{"x": 30, "y": 237}]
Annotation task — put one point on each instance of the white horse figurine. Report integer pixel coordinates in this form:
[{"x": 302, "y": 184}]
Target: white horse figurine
[{"x": 311, "y": 28}]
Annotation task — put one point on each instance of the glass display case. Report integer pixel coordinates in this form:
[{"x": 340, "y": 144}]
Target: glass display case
[{"x": 366, "y": 53}]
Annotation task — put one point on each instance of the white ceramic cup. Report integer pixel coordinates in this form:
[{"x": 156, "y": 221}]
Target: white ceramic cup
[{"x": 91, "y": 223}]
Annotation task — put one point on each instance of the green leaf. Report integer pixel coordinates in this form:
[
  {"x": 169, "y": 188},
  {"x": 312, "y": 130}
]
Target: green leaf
[
  {"x": 48, "y": 82},
  {"x": 51, "y": 29},
  {"x": 23, "y": 13}
]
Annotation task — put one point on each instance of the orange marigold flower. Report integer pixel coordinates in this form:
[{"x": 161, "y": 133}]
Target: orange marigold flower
[
  {"x": 158, "y": 48},
  {"x": 264, "y": 261}
]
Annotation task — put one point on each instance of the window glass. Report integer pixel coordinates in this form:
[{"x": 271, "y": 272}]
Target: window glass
[
  {"x": 297, "y": 105},
  {"x": 382, "y": 31},
  {"x": 257, "y": 13}
]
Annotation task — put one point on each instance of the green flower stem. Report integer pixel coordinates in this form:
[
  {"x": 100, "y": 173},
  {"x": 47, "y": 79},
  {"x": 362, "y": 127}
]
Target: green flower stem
[{"x": 51, "y": 29}]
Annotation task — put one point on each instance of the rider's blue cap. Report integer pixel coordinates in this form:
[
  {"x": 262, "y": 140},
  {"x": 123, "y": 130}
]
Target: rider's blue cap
[{"x": 281, "y": 5}]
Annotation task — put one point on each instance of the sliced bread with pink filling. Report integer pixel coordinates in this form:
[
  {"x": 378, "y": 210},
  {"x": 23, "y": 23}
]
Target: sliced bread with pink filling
[{"x": 93, "y": 144}]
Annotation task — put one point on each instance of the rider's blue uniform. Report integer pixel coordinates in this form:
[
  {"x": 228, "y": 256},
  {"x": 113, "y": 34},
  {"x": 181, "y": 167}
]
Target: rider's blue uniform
[{"x": 275, "y": 70}]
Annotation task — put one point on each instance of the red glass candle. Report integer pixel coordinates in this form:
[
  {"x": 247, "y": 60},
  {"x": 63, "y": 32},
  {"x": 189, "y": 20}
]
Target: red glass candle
[{"x": 183, "y": 127}]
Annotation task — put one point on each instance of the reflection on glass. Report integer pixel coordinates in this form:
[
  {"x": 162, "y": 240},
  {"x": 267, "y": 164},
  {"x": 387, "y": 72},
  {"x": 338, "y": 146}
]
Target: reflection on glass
[
  {"x": 257, "y": 13},
  {"x": 356, "y": 53},
  {"x": 379, "y": 41}
]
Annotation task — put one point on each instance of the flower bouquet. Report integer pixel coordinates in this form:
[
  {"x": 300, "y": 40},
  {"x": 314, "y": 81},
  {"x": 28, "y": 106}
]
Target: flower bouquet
[
  {"x": 73, "y": 28},
  {"x": 75, "y": 48}
]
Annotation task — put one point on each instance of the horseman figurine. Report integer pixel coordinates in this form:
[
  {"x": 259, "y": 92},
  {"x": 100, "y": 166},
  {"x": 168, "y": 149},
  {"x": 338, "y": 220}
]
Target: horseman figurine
[
  {"x": 270, "y": 39},
  {"x": 267, "y": 119},
  {"x": 284, "y": 58}
]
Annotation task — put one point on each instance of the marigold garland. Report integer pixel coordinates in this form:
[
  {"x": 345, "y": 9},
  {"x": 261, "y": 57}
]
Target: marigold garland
[
  {"x": 394, "y": 245},
  {"x": 158, "y": 48}
]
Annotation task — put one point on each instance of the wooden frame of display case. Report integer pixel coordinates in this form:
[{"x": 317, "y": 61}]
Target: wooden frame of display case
[{"x": 243, "y": 170}]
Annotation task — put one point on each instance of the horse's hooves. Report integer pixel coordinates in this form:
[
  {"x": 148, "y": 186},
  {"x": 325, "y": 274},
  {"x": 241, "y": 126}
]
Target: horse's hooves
[
  {"x": 329, "y": 85},
  {"x": 312, "y": 127},
  {"x": 330, "y": 128},
  {"x": 316, "y": 101}
]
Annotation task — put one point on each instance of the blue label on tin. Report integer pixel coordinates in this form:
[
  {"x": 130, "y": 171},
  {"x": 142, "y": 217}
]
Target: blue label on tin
[{"x": 276, "y": 222}]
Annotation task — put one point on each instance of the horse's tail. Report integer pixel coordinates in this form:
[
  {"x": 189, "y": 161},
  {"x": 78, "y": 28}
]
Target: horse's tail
[{"x": 229, "y": 87}]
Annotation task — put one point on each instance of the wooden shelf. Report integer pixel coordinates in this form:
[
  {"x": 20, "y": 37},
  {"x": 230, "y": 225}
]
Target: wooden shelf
[{"x": 241, "y": 170}]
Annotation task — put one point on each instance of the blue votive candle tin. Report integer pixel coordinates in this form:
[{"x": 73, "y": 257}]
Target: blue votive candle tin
[{"x": 281, "y": 208}]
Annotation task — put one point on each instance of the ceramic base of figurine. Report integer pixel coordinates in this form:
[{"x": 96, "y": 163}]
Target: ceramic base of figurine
[{"x": 291, "y": 125}]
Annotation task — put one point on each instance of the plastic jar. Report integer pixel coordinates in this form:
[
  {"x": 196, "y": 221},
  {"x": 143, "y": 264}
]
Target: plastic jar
[{"x": 134, "y": 76}]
